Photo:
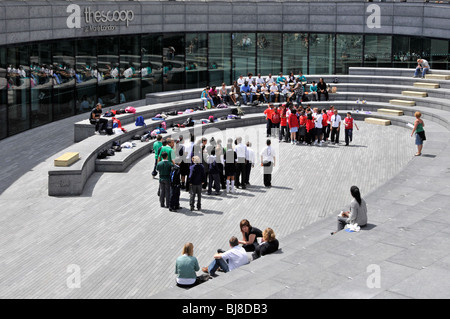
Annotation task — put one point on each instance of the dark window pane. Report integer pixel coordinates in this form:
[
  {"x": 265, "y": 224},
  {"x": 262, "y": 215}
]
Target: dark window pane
[
  {"x": 244, "y": 53},
  {"x": 3, "y": 95},
  {"x": 86, "y": 98},
  {"x": 348, "y": 52},
  {"x": 377, "y": 51},
  {"x": 321, "y": 53},
  {"x": 41, "y": 84},
  {"x": 295, "y": 53},
  {"x": 151, "y": 72},
  {"x": 63, "y": 79},
  {"x": 196, "y": 60},
  {"x": 86, "y": 63},
  {"x": 130, "y": 69},
  {"x": 108, "y": 71},
  {"x": 18, "y": 78},
  {"x": 173, "y": 62},
  {"x": 406, "y": 51},
  {"x": 219, "y": 52},
  {"x": 439, "y": 54},
  {"x": 269, "y": 53}
]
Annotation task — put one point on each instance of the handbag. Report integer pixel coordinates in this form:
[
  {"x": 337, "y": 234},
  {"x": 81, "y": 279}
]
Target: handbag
[{"x": 422, "y": 135}]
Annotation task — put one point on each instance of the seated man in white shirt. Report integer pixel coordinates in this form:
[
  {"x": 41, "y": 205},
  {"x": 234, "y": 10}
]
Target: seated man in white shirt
[{"x": 229, "y": 260}]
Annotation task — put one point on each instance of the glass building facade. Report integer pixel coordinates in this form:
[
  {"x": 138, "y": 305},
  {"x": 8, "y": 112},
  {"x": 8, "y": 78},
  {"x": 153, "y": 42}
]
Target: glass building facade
[{"x": 47, "y": 81}]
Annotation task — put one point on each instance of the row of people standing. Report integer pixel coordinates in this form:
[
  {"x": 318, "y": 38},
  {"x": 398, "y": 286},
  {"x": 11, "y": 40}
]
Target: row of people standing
[
  {"x": 199, "y": 166},
  {"x": 307, "y": 125}
]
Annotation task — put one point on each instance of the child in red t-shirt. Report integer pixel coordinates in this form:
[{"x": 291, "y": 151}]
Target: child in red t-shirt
[
  {"x": 269, "y": 112},
  {"x": 348, "y": 123},
  {"x": 309, "y": 128},
  {"x": 293, "y": 126},
  {"x": 283, "y": 123},
  {"x": 302, "y": 128}
]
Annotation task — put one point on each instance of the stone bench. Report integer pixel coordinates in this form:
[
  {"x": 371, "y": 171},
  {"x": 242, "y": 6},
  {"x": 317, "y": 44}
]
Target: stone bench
[
  {"x": 403, "y": 72},
  {"x": 372, "y": 120}
]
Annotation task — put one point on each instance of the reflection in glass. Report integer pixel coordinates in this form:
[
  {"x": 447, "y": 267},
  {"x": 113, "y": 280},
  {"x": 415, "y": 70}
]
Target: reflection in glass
[
  {"x": 151, "y": 72},
  {"x": 377, "y": 51},
  {"x": 406, "y": 51},
  {"x": 63, "y": 74},
  {"x": 3, "y": 95},
  {"x": 196, "y": 60},
  {"x": 219, "y": 52},
  {"x": 244, "y": 53},
  {"x": 107, "y": 71},
  {"x": 295, "y": 53},
  {"x": 439, "y": 53},
  {"x": 173, "y": 62},
  {"x": 18, "y": 83},
  {"x": 41, "y": 84},
  {"x": 348, "y": 52},
  {"x": 86, "y": 62},
  {"x": 130, "y": 69},
  {"x": 269, "y": 53},
  {"x": 321, "y": 53}
]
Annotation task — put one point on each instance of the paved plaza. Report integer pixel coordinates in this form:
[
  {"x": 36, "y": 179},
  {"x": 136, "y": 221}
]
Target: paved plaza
[{"x": 125, "y": 245}]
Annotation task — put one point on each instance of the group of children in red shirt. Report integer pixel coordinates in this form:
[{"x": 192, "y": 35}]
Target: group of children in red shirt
[{"x": 306, "y": 125}]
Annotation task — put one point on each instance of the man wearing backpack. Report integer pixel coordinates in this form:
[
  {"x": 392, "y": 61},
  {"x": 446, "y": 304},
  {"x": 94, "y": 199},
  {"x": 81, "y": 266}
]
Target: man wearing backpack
[
  {"x": 175, "y": 187},
  {"x": 156, "y": 147}
]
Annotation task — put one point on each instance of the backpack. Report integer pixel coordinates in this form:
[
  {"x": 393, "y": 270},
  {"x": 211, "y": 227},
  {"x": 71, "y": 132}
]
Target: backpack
[
  {"x": 130, "y": 109},
  {"x": 276, "y": 118},
  {"x": 175, "y": 178},
  {"x": 188, "y": 122},
  {"x": 140, "y": 121}
]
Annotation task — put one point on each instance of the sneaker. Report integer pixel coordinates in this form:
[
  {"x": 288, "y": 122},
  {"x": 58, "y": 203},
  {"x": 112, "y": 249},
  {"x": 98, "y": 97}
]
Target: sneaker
[
  {"x": 320, "y": 144},
  {"x": 97, "y": 133}
]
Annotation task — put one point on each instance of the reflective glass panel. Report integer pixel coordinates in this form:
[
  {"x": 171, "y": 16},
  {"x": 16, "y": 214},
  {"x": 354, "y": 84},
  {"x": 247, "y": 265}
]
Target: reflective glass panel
[
  {"x": 295, "y": 53},
  {"x": 130, "y": 69},
  {"x": 377, "y": 51},
  {"x": 152, "y": 70},
  {"x": 219, "y": 52},
  {"x": 108, "y": 71},
  {"x": 173, "y": 62},
  {"x": 269, "y": 53},
  {"x": 348, "y": 52},
  {"x": 244, "y": 53},
  {"x": 63, "y": 74},
  {"x": 196, "y": 60},
  {"x": 321, "y": 53}
]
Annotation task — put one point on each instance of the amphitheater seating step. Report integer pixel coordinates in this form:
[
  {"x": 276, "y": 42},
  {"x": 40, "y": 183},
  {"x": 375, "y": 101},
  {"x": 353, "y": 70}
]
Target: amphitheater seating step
[
  {"x": 67, "y": 159},
  {"x": 372, "y": 120},
  {"x": 426, "y": 85},
  {"x": 438, "y": 76},
  {"x": 414, "y": 93},
  {"x": 390, "y": 112},
  {"x": 402, "y": 102}
]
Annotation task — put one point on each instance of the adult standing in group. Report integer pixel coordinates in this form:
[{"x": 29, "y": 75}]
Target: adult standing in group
[
  {"x": 335, "y": 127},
  {"x": 420, "y": 132},
  {"x": 250, "y": 162},
  {"x": 156, "y": 147},
  {"x": 422, "y": 67},
  {"x": 230, "y": 166},
  {"x": 241, "y": 153},
  {"x": 196, "y": 178},
  {"x": 348, "y": 122},
  {"x": 164, "y": 168},
  {"x": 268, "y": 163},
  {"x": 95, "y": 119}
]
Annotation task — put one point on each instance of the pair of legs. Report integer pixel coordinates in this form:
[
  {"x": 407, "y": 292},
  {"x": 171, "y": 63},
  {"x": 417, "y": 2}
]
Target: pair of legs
[
  {"x": 205, "y": 101},
  {"x": 195, "y": 190},
  {"x": 335, "y": 135},
  {"x": 240, "y": 173},
  {"x": 419, "y": 144},
  {"x": 348, "y": 136},
  {"x": 423, "y": 71},
  {"x": 164, "y": 193},
  {"x": 319, "y": 94},
  {"x": 214, "y": 178}
]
